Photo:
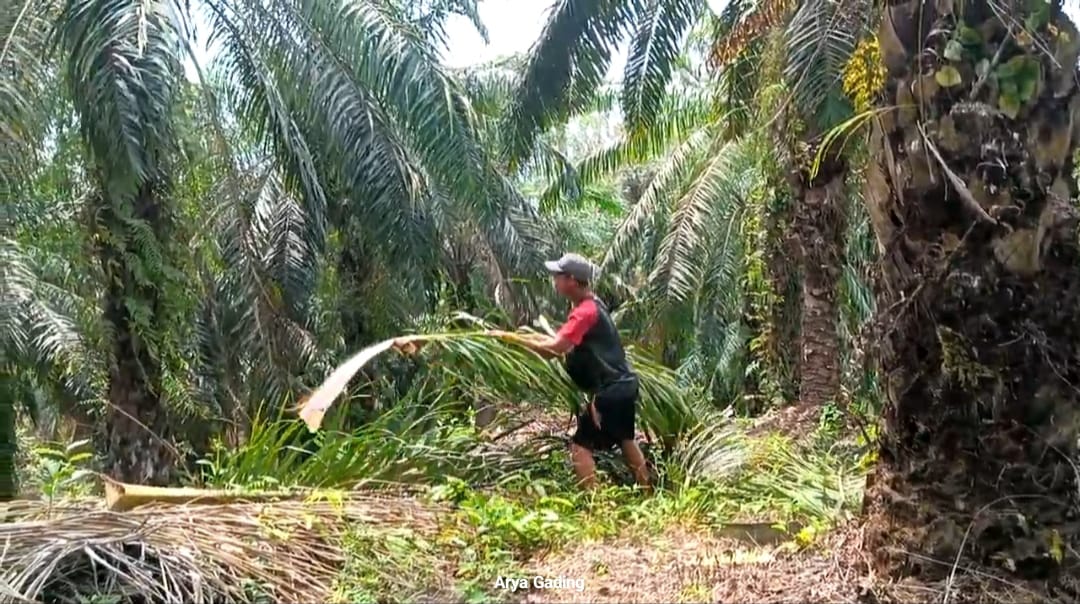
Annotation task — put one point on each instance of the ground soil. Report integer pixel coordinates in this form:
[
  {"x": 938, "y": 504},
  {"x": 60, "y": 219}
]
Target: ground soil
[
  {"x": 791, "y": 421},
  {"x": 692, "y": 565},
  {"x": 686, "y": 566}
]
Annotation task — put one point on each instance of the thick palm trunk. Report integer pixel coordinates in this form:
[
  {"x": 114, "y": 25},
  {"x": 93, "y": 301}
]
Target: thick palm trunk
[
  {"x": 819, "y": 227},
  {"x": 979, "y": 303},
  {"x": 137, "y": 446},
  {"x": 773, "y": 304},
  {"x": 9, "y": 486},
  {"x": 784, "y": 311}
]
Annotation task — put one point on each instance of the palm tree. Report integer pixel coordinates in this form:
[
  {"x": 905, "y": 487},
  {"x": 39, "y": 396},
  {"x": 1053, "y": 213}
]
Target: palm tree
[
  {"x": 819, "y": 40},
  {"x": 971, "y": 201},
  {"x": 819, "y": 37},
  {"x": 344, "y": 114}
]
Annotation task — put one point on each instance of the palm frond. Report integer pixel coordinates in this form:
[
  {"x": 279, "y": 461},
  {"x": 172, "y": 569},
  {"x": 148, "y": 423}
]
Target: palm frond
[
  {"x": 679, "y": 116},
  {"x": 25, "y": 78},
  {"x": 821, "y": 37},
  {"x": 39, "y": 325},
  {"x": 713, "y": 200},
  {"x": 656, "y": 44},
  {"x": 633, "y": 233},
  {"x": 742, "y": 22},
  {"x": 565, "y": 68},
  {"x": 676, "y": 274},
  {"x": 243, "y": 552},
  {"x": 123, "y": 72}
]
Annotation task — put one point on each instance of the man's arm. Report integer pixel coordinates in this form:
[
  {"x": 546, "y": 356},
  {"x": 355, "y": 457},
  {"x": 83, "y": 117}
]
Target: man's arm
[
  {"x": 571, "y": 334},
  {"x": 549, "y": 346}
]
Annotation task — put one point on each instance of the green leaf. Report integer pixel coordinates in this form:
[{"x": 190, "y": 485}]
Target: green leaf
[
  {"x": 653, "y": 52},
  {"x": 1027, "y": 88},
  {"x": 948, "y": 76},
  {"x": 1030, "y": 67},
  {"x": 1019, "y": 67},
  {"x": 982, "y": 67},
  {"x": 969, "y": 36},
  {"x": 1039, "y": 16},
  {"x": 954, "y": 50},
  {"x": 1009, "y": 105},
  {"x": 1007, "y": 70}
]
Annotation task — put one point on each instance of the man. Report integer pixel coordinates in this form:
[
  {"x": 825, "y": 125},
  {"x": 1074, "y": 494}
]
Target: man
[{"x": 596, "y": 362}]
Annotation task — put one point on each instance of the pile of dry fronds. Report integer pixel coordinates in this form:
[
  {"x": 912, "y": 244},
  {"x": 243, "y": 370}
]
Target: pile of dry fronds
[{"x": 279, "y": 552}]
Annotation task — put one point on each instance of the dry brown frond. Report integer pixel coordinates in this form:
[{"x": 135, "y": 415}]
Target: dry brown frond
[
  {"x": 284, "y": 551},
  {"x": 770, "y": 14}
]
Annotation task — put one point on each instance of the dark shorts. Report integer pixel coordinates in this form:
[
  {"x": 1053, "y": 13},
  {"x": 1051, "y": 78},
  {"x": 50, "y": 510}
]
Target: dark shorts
[{"x": 617, "y": 405}]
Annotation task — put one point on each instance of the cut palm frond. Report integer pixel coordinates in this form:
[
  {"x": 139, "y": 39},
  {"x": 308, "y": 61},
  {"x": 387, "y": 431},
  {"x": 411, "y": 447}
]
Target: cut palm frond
[
  {"x": 287, "y": 551},
  {"x": 314, "y": 407},
  {"x": 501, "y": 366}
]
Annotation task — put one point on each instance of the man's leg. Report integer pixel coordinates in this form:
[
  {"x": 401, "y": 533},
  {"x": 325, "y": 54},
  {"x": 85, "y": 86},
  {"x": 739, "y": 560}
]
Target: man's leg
[
  {"x": 581, "y": 446},
  {"x": 636, "y": 460},
  {"x": 584, "y": 465}
]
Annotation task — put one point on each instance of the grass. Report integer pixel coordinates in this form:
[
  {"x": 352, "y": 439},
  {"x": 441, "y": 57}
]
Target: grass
[
  {"x": 510, "y": 506},
  {"x": 494, "y": 532},
  {"x": 509, "y": 502}
]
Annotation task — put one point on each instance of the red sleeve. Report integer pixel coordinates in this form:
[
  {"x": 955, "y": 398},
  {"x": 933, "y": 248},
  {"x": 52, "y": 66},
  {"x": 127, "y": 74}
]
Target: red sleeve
[{"x": 580, "y": 321}]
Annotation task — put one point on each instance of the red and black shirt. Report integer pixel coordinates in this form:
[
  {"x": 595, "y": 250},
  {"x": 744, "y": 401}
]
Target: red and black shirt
[{"x": 597, "y": 359}]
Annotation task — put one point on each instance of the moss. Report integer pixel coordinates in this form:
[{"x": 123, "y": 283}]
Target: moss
[{"x": 957, "y": 360}]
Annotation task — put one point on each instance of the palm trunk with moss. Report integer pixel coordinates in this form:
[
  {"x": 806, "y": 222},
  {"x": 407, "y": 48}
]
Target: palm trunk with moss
[
  {"x": 979, "y": 302},
  {"x": 137, "y": 429},
  {"x": 9, "y": 486},
  {"x": 819, "y": 231}
]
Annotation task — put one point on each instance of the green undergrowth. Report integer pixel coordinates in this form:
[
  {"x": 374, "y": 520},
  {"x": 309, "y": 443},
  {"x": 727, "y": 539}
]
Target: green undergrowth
[
  {"x": 495, "y": 531},
  {"x": 509, "y": 505}
]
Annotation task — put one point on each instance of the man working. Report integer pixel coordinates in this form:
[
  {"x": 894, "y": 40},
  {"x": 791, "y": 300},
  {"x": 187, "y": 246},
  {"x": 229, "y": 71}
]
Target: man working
[{"x": 597, "y": 364}]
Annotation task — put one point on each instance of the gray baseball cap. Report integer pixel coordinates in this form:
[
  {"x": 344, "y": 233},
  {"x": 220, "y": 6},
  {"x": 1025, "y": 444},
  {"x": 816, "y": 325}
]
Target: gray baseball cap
[{"x": 575, "y": 265}]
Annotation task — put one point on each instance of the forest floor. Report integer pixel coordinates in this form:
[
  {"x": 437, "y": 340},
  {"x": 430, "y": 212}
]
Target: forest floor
[
  {"x": 691, "y": 566},
  {"x": 782, "y": 525},
  {"x": 747, "y": 561}
]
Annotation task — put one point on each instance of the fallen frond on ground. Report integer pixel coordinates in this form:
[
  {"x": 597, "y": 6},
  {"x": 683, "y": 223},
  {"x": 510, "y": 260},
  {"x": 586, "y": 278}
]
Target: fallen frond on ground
[{"x": 287, "y": 551}]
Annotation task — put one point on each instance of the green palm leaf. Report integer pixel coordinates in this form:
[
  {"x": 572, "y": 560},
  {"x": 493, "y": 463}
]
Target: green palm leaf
[
  {"x": 633, "y": 232},
  {"x": 24, "y": 79},
  {"x": 679, "y": 117},
  {"x": 565, "y": 68},
  {"x": 821, "y": 38},
  {"x": 656, "y": 45}
]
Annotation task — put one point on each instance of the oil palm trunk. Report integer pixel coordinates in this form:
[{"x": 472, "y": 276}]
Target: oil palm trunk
[
  {"x": 8, "y": 446},
  {"x": 122, "y": 73},
  {"x": 136, "y": 446},
  {"x": 979, "y": 301},
  {"x": 819, "y": 229}
]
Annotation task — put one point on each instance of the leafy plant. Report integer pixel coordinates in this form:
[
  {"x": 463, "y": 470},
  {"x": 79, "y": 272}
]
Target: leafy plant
[{"x": 60, "y": 470}]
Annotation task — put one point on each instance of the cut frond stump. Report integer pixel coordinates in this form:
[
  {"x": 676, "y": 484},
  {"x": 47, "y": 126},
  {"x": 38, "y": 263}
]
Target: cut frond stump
[
  {"x": 121, "y": 497},
  {"x": 280, "y": 552}
]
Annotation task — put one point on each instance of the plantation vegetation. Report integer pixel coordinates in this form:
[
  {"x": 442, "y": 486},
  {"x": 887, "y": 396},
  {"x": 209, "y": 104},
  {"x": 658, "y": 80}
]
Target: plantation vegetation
[{"x": 839, "y": 240}]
